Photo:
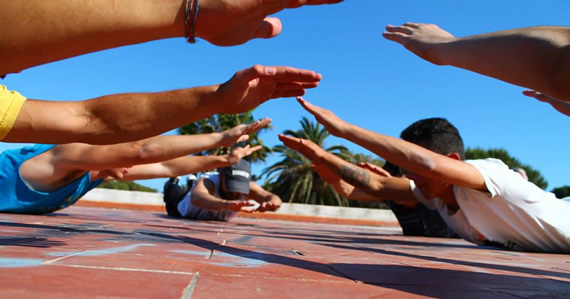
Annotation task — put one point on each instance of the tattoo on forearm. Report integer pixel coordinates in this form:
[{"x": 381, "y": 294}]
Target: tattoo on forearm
[{"x": 355, "y": 176}]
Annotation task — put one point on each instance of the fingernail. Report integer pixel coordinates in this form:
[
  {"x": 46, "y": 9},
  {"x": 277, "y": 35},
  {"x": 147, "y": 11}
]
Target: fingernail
[{"x": 270, "y": 71}]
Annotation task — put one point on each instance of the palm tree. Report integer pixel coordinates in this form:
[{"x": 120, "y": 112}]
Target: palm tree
[
  {"x": 221, "y": 122},
  {"x": 293, "y": 178}
]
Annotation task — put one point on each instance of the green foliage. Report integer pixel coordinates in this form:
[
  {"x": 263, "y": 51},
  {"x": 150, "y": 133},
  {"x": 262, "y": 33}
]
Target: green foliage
[
  {"x": 294, "y": 179},
  {"x": 221, "y": 122},
  {"x": 561, "y": 192},
  {"x": 130, "y": 186},
  {"x": 498, "y": 153}
]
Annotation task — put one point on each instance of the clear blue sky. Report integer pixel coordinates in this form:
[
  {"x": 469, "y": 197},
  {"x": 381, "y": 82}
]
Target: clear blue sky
[{"x": 367, "y": 80}]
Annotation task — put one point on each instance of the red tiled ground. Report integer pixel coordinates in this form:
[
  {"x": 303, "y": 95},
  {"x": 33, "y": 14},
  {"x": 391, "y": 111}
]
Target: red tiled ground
[{"x": 93, "y": 252}]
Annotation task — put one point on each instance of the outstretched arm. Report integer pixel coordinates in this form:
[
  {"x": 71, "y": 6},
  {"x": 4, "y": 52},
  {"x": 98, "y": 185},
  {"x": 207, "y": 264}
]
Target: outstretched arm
[
  {"x": 534, "y": 57},
  {"x": 350, "y": 180},
  {"x": 37, "y": 32},
  {"x": 186, "y": 165},
  {"x": 127, "y": 117},
  {"x": 402, "y": 153},
  {"x": 562, "y": 107},
  {"x": 203, "y": 196},
  {"x": 161, "y": 148}
]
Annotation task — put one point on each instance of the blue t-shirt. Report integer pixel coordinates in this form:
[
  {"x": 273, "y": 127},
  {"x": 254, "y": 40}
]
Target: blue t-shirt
[{"x": 17, "y": 197}]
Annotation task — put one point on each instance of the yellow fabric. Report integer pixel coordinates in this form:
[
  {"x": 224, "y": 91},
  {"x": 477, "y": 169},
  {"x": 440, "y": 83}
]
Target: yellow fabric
[{"x": 10, "y": 104}]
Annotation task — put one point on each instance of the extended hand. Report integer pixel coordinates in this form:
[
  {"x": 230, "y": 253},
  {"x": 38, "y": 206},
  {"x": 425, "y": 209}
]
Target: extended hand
[
  {"x": 234, "y": 22},
  {"x": 329, "y": 120},
  {"x": 251, "y": 87},
  {"x": 421, "y": 39},
  {"x": 306, "y": 147},
  {"x": 271, "y": 205},
  {"x": 562, "y": 107},
  {"x": 242, "y": 205},
  {"x": 240, "y": 133},
  {"x": 240, "y": 152}
]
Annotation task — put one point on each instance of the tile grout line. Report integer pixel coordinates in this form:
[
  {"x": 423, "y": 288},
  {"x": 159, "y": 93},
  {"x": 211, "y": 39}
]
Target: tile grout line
[
  {"x": 190, "y": 288},
  {"x": 63, "y": 257},
  {"x": 128, "y": 269}
]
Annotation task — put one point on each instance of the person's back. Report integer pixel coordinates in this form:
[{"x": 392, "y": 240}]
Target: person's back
[
  {"x": 515, "y": 212},
  {"x": 187, "y": 209},
  {"x": 18, "y": 196}
]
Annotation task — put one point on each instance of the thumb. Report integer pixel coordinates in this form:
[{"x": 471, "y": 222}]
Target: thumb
[{"x": 269, "y": 28}]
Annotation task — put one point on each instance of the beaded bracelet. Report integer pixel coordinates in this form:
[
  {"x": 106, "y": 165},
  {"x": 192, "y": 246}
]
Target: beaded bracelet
[{"x": 190, "y": 14}]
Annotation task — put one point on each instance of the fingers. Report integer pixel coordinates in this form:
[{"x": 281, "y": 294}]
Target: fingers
[
  {"x": 537, "y": 95},
  {"x": 293, "y": 89},
  {"x": 257, "y": 125},
  {"x": 299, "y": 3},
  {"x": 268, "y": 28},
  {"x": 254, "y": 149},
  {"x": 397, "y": 34},
  {"x": 289, "y": 94},
  {"x": 314, "y": 110},
  {"x": 279, "y": 73},
  {"x": 401, "y": 29}
]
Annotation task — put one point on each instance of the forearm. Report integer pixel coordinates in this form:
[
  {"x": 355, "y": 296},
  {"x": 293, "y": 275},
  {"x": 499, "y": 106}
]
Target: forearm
[
  {"x": 114, "y": 118},
  {"x": 209, "y": 202},
  {"x": 353, "y": 178},
  {"x": 535, "y": 57},
  {"x": 63, "y": 29},
  {"x": 402, "y": 153}
]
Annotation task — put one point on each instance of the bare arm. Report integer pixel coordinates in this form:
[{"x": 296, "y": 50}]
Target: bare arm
[
  {"x": 63, "y": 29},
  {"x": 267, "y": 200},
  {"x": 203, "y": 196},
  {"x": 186, "y": 165},
  {"x": 344, "y": 175},
  {"x": 402, "y": 153},
  {"x": 127, "y": 117},
  {"x": 534, "y": 57},
  {"x": 161, "y": 148}
]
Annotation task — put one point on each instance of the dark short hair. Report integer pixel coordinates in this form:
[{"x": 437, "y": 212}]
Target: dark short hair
[{"x": 436, "y": 134}]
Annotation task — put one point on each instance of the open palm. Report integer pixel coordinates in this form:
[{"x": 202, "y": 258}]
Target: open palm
[{"x": 251, "y": 87}]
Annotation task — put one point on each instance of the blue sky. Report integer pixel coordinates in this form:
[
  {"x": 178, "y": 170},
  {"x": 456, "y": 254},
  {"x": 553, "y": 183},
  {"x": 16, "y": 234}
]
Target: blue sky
[{"x": 367, "y": 80}]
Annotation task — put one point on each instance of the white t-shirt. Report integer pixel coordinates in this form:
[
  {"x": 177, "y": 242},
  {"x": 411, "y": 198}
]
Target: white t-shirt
[
  {"x": 457, "y": 221},
  {"x": 188, "y": 210},
  {"x": 515, "y": 212}
]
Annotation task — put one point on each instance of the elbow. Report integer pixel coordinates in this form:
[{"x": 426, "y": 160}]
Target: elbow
[
  {"x": 425, "y": 166},
  {"x": 146, "y": 152}
]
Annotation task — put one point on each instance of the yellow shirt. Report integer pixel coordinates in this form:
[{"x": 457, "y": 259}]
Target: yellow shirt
[{"x": 10, "y": 104}]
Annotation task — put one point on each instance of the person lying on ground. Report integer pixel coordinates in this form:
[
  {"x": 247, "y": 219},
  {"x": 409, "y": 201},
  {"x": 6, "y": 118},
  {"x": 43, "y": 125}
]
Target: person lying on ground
[
  {"x": 503, "y": 207},
  {"x": 222, "y": 194},
  {"x": 533, "y": 57},
  {"x": 345, "y": 177},
  {"x": 45, "y": 178},
  {"x": 133, "y": 116}
]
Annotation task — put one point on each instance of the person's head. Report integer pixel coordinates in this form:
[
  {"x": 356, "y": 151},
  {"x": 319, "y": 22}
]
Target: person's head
[
  {"x": 437, "y": 135},
  {"x": 234, "y": 180}
]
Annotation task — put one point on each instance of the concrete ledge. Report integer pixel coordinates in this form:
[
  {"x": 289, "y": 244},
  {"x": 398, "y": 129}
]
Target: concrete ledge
[{"x": 133, "y": 200}]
